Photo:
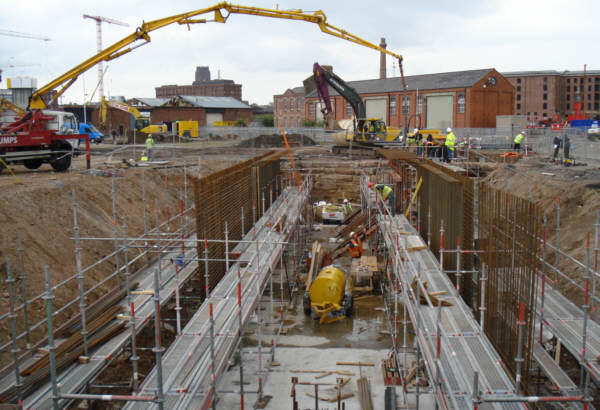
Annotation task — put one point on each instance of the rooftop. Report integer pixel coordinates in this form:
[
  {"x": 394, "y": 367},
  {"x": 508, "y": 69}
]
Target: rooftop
[
  {"x": 206, "y": 102},
  {"x": 456, "y": 79}
]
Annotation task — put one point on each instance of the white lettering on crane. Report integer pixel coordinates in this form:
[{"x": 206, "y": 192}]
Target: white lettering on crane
[{"x": 8, "y": 140}]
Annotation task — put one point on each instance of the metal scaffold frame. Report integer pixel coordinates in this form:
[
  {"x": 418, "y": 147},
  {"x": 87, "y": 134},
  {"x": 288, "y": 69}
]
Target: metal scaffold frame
[
  {"x": 195, "y": 361},
  {"x": 439, "y": 348},
  {"x": 170, "y": 247}
]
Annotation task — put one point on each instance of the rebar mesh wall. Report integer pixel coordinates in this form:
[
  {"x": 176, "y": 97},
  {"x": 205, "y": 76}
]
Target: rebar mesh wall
[
  {"x": 221, "y": 197},
  {"x": 445, "y": 198},
  {"x": 508, "y": 231}
]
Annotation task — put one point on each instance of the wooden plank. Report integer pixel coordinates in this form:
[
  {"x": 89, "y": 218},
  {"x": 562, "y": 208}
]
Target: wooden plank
[{"x": 355, "y": 364}]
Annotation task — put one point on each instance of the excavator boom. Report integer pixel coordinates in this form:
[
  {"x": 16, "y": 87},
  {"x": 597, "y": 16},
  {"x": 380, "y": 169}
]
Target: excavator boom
[{"x": 221, "y": 12}]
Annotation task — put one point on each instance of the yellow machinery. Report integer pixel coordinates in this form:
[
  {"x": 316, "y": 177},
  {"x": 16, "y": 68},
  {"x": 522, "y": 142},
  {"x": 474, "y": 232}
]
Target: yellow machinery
[
  {"x": 327, "y": 297},
  {"x": 140, "y": 121},
  {"x": 220, "y": 12},
  {"x": 187, "y": 129}
]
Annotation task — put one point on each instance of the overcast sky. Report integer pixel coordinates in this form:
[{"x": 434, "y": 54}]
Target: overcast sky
[{"x": 267, "y": 56}]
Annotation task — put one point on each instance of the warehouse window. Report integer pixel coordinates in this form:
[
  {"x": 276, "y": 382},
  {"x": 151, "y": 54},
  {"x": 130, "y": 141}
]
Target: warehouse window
[
  {"x": 589, "y": 106},
  {"x": 348, "y": 109},
  {"x": 419, "y": 104},
  {"x": 312, "y": 110},
  {"x": 461, "y": 103},
  {"x": 285, "y": 104},
  {"x": 545, "y": 107},
  {"x": 405, "y": 104},
  {"x": 518, "y": 81},
  {"x": 574, "y": 88},
  {"x": 292, "y": 104},
  {"x": 545, "y": 115},
  {"x": 545, "y": 87},
  {"x": 545, "y": 79},
  {"x": 589, "y": 88},
  {"x": 518, "y": 97},
  {"x": 545, "y": 96},
  {"x": 518, "y": 88},
  {"x": 568, "y": 81},
  {"x": 568, "y": 106},
  {"x": 568, "y": 97},
  {"x": 518, "y": 106},
  {"x": 393, "y": 106}
]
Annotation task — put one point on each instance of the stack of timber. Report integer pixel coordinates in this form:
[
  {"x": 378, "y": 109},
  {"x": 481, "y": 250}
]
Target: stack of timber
[
  {"x": 101, "y": 327},
  {"x": 391, "y": 373},
  {"x": 364, "y": 394},
  {"x": 100, "y": 330},
  {"x": 315, "y": 263}
]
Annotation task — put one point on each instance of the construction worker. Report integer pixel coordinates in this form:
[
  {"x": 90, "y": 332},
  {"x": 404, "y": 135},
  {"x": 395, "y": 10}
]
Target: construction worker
[
  {"x": 419, "y": 144},
  {"x": 518, "y": 139},
  {"x": 347, "y": 207},
  {"x": 355, "y": 245},
  {"x": 567, "y": 147},
  {"x": 429, "y": 146},
  {"x": 557, "y": 145},
  {"x": 449, "y": 144},
  {"x": 149, "y": 147},
  {"x": 386, "y": 193}
]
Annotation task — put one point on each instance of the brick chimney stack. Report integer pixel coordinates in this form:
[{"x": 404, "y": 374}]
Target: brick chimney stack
[{"x": 382, "y": 68}]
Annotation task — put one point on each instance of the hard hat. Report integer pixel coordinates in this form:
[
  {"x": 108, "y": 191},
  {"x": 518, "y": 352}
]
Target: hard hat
[
  {"x": 351, "y": 233},
  {"x": 371, "y": 184},
  {"x": 345, "y": 200},
  {"x": 448, "y": 129},
  {"x": 149, "y": 135},
  {"x": 416, "y": 130}
]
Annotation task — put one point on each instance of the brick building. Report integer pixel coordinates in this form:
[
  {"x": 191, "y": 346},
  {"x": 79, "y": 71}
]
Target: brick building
[
  {"x": 463, "y": 99},
  {"x": 541, "y": 94},
  {"x": 205, "y": 110},
  {"x": 202, "y": 86},
  {"x": 289, "y": 107}
]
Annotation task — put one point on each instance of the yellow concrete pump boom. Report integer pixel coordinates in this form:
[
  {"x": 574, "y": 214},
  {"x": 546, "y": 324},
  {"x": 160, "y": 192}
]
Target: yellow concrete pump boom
[{"x": 221, "y": 13}]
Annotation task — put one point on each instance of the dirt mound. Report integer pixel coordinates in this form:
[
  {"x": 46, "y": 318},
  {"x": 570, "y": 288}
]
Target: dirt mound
[
  {"x": 276, "y": 140},
  {"x": 577, "y": 190}
]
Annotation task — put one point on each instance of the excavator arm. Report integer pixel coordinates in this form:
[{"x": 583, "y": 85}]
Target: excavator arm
[
  {"x": 6, "y": 104},
  {"x": 221, "y": 12},
  {"x": 324, "y": 77}
]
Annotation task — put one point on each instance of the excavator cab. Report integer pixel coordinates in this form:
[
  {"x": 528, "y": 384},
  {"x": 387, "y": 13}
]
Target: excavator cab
[{"x": 372, "y": 130}]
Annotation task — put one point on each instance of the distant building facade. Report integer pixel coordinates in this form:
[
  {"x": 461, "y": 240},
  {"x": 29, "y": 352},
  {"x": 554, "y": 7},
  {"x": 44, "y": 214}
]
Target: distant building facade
[
  {"x": 289, "y": 108},
  {"x": 540, "y": 95},
  {"x": 202, "y": 86},
  {"x": 462, "y": 99}
]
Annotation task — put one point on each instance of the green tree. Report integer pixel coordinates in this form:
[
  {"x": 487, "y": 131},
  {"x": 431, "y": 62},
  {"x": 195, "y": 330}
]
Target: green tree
[{"x": 267, "y": 120}]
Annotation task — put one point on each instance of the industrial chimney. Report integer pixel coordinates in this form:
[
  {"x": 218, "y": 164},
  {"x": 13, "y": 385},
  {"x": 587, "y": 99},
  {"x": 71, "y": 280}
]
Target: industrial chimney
[{"x": 382, "y": 69}]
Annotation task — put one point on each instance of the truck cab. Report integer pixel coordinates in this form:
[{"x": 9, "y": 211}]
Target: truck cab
[
  {"x": 63, "y": 123},
  {"x": 93, "y": 133}
]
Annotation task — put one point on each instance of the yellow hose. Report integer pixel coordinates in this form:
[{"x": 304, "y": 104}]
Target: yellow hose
[{"x": 11, "y": 171}]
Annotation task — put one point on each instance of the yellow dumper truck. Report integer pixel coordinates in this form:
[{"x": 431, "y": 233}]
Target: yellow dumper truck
[{"x": 327, "y": 298}]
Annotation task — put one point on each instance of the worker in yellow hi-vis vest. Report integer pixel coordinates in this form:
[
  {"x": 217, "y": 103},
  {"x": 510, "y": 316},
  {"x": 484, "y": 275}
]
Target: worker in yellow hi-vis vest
[
  {"x": 149, "y": 149},
  {"x": 449, "y": 145},
  {"x": 518, "y": 139},
  {"x": 386, "y": 193}
]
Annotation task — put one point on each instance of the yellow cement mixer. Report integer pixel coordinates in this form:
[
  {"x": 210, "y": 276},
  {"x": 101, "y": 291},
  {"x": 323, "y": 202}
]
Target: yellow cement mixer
[{"x": 326, "y": 297}]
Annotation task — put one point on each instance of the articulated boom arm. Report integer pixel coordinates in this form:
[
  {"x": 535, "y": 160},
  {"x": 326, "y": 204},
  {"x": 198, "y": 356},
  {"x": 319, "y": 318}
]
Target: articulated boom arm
[
  {"x": 221, "y": 11},
  {"x": 324, "y": 77}
]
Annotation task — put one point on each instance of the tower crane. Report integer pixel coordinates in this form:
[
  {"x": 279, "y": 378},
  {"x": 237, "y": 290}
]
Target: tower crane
[
  {"x": 23, "y": 35},
  {"x": 99, "y": 20}
]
